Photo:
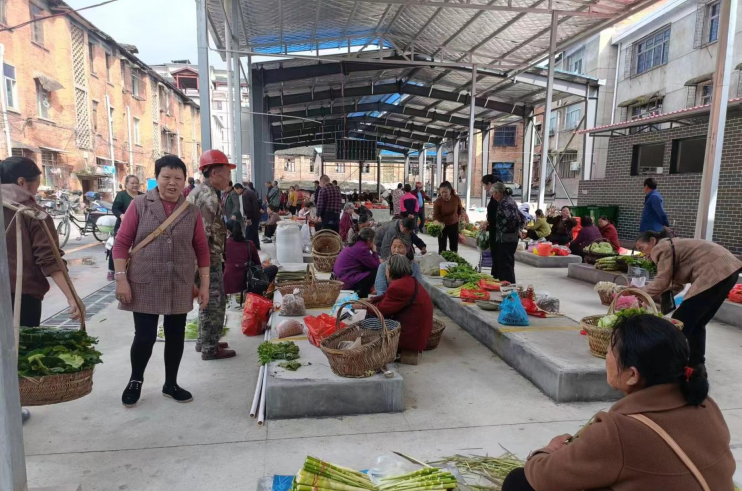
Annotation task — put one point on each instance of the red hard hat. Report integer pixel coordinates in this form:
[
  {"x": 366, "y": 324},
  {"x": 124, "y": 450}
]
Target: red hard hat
[{"x": 214, "y": 157}]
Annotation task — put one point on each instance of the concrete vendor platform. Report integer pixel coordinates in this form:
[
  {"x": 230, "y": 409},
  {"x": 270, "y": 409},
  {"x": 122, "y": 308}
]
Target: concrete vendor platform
[
  {"x": 314, "y": 391},
  {"x": 550, "y": 352},
  {"x": 588, "y": 273},
  {"x": 546, "y": 262},
  {"x": 730, "y": 313}
]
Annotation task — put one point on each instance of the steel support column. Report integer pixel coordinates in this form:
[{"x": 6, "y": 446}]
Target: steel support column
[
  {"x": 439, "y": 164},
  {"x": 378, "y": 176},
  {"x": 547, "y": 110},
  {"x": 455, "y": 166},
  {"x": 230, "y": 102},
  {"x": 237, "y": 101},
  {"x": 204, "y": 82},
  {"x": 588, "y": 142},
  {"x": 421, "y": 166},
  {"x": 472, "y": 136},
  {"x": 529, "y": 146},
  {"x": 360, "y": 177},
  {"x": 486, "y": 144},
  {"x": 250, "y": 124},
  {"x": 406, "y": 176},
  {"x": 717, "y": 122}
]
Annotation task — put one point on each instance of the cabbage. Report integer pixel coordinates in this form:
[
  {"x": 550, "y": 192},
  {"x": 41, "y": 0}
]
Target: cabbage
[{"x": 608, "y": 321}]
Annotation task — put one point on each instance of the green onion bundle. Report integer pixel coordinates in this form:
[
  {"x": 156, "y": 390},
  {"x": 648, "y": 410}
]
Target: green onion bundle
[
  {"x": 317, "y": 475},
  {"x": 429, "y": 478}
]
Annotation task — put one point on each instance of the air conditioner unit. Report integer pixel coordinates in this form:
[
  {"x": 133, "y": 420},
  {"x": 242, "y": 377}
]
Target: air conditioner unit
[{"x": 575, "y": 166}]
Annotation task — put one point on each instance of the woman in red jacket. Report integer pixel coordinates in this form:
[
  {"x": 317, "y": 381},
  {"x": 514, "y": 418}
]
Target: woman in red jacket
[
  {"x": 407, "y": 302},
  {"x": 609, "y": 232}
]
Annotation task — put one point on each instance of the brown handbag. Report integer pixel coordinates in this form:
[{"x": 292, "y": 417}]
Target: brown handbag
[{"x": 675, "y": 448}]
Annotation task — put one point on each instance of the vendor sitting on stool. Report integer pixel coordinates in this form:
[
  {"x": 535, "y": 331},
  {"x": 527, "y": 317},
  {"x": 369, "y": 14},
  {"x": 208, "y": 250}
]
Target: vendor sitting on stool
[
  {"x": 357, "y": 264},
  {"x": 400, "y": 245},
  {"x": 271, "y": 224},
  {"x": 407, "y": 302},
  {"x": 240, "y": 251},
  {"x": 586, "y": 236}
]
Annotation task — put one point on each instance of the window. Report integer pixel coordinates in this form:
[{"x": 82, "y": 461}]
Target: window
[
  {"x": 218, "y": 105},
  {"x": 42, "y": 101},
  {"x": 187, "y": 82},
  {"x": 704, "y": 94},
  {"x": 687, "y": 155},
  {"x": 505, "y": 136},
  {"x": 11, "y": 87},
  {"x": 139, "y": 172},
  {"x": 37, "y": 28},
  {"x": 574, "y": 115},
  {"x": 552, "y": 124},
  {"x": 647, "y": 159},
  {"x": 164, "y": 99},
  {"x": 340, "y": 167},
  {"x": 110, "y": 116},
  {"x": 173, "y": 143},
  {"x": 109, "y": 64},
  {"x": 136, "y": 82},
  {"x": 289, "y": 165},
  {"x": 123, "y": 74},
  {"x": 712, "y": 12},
  {"x": 49, "y": 161},
  {"x": 574, "y": 61},
  {"x": 648, "y": 109},
  {"x": 91, "y": 56},
  {"x": 366, "y": 167},
  {"x": 567, "y": 164},
  {"x": 652, "y": 51},
  {"x": 137, "y": 135},
  {"x": 3, "y": 16},
  {"x": 503, "y": 170},
  {"x": 95, "y": 117},
  {"x": 311, "y": 165},
  {"x": 164, "y": 141}
]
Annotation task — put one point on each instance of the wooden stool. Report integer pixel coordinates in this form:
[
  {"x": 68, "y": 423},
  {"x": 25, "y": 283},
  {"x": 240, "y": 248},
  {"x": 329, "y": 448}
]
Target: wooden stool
[{"x": 409, "y": 357}]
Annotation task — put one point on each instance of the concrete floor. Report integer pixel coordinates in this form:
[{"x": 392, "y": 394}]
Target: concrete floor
[{"x": 460, "y": 399}]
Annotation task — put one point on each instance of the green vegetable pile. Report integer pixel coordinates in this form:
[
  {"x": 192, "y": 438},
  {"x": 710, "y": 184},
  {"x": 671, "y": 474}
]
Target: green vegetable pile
[
  {"x": 609, "y": 321},
  {"x": 48, "y": 351},
  {"x": 600, "y": 248},
  {"x": 286, "y": 350},
  {"x": 317, "y": 475},
  {"x": 483, "y": 239},
  {"x": 484, "y": 473},
  {"x": 434, "y": 229},
  {"x": 640, "y": 262},
  {"x": 467, "y": 273},
  {"x": 191, "y": 331},
  {"x": 452, "y": 257},
  {"x": 428, "y": 478},
  {"x": 291, "y": 366}
]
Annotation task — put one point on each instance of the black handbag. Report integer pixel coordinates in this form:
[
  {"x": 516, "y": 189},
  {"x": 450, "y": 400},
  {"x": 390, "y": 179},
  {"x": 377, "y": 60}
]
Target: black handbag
[
  {"x": 256, "y": 281},
  {"x": 667, "y": 298}
]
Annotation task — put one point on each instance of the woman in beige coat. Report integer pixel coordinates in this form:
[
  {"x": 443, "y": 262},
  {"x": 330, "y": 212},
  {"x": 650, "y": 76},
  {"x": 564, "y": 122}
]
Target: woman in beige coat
[{"x": 623, "y": 449}]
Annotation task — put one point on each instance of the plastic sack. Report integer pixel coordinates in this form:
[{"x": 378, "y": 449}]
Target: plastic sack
[
  {"x": 318, "y": 328},
  {"x": 350, "y": 297},
  {"x": 390, "y": 466},
  {"x": 106, "y": 223},
  {"x": 532, "y": 308},
  {"x": 430, "y": 264},
  {"x": 306, "y": 237},
  {"x": 560, "y": 251},
  {"x": 289, "y": 327},
  {"x": 462, "y": 239},
  {"x": 471, "y": 296},
  {"x": 521, "y": 246},
  {"x": 549, "y": 304},
  {"x": 490, "y": 285},
  {"x": 512, "y": 312},
  {"x": 292, "y": 305},
  {"x": 736, "y": 294},
  {"x": 255, "y": 314}
]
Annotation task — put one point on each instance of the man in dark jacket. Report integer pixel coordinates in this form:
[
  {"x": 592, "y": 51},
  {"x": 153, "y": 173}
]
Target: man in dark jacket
[
  {"x": 252, "y": 213},
  {"x": 653, "y": 215}
]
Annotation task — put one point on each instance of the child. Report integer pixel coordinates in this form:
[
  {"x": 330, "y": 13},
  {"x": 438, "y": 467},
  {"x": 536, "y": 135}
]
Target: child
[{"x": 271, "y": 224}]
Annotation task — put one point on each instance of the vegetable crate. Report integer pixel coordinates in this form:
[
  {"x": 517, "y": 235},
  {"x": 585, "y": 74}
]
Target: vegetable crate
[{"x": 485, "y": 260}]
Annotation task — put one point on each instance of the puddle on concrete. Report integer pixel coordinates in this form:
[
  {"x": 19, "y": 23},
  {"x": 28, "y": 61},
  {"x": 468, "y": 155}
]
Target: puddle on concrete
[{"x": 85, "y": 261}]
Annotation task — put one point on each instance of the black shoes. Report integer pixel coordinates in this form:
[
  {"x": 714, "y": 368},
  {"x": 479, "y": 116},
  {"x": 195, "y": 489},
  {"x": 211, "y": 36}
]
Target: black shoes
[
  {"x": 132, "y": 393},
  {"x": 175, "y": 392}
]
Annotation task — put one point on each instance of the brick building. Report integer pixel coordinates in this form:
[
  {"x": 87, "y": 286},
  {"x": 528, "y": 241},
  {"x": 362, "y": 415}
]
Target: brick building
[{"x": 68, "y": 87}]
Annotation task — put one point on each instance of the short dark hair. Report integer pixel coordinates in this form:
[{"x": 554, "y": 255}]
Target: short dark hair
[
  {"x": 364, "y": 235},
  {"x": 539, "y": 212},
  {"x": 603, "y": 217},
  {"x": 230, "y": 184},
  {"x": 399, "y": 186},
  {"x": 447, "y": 185},
  {"x": 586, "y": 221},
  {"x": 650, "y": 183},
  {"x": 239, "y": 186},
  {"x": 407, "y": 188},
  {"x": 191, "y": 181},
  {"x": 334, "y": 182},
  {"x": 567, "y": 207},
  {"x": 13, "y": 168},
  {"x": 235, "y": 228},
  {"x": 171, "y": 162},
  {"x": 651, "y": 234},
  {"x": 659, "y": 352},
  {"x": 272, "y": 208},
  {"x": 409, "y": 223},
  {"x": 490, "y": 179}
]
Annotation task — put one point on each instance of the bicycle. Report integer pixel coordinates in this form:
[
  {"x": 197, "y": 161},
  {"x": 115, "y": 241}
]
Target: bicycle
[{"x": 85, "y": 227}]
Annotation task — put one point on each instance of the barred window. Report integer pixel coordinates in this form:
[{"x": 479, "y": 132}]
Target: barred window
[
  {"x": 505, "y": 136},
  {"x": 652, "y": 51},
  {"x": 91, "y": 57},
  {"x": 574, "y": 114},
  {"x": 647, "y": 159},
  {"x": 95, "y": 117},
  {"x": 136, "y": 83},
  {"x": 340, "y": 167},
  {"x": 42, "y": 100},
  {"x": 289, "y": 165}
]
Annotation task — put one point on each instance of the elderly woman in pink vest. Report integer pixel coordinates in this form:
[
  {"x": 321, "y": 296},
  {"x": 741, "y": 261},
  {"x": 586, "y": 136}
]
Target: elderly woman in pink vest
[{"x": 162, "y": 238}]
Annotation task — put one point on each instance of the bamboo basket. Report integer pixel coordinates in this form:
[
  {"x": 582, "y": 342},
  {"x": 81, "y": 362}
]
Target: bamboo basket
[
  {"x": 435, "y": 335},
  {"x": 599, "y": 338},
  {"x": 316, "y": 293},
  {"x": 49, "y": 389},
  {"x": 326, "y": 247},
  {"x": 378, "y": 347}
]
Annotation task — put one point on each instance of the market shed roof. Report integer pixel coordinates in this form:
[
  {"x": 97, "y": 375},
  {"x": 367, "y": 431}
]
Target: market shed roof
[{"x": 405, "y": 78}]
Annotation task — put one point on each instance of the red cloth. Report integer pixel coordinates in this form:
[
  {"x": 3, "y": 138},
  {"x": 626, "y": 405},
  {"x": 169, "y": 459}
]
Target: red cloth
[
  {"x": 128, "y": 231},
  {"x": 238, "y": 254},
  {"x": 416, "y": 318},
  {"x": 610, "y": 234},
  {"x": 346, "y": 222}
]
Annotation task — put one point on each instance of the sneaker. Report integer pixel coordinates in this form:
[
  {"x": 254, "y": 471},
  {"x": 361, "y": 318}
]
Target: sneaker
[
  {"x": 222, "y": 345},
  {"x": 220, "y": 354},
  {"x": 175, "y": 392},
  {"x": 132, "y": 393},
  {"x": 110, "y": 276}
]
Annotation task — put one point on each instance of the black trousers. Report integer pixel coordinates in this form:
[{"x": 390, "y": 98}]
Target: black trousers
[
  {"x": 331, "y": 221},
  {"x": 252, "y": 233},
  {"x": 30, "y": 310},
  {"x": 576, "y": 250},
  {"x": 531, "y": 234},
  {"x": 559, "y": 239},
  {"x": 145, "y": 335},
  {"x": 270, "y": 230},
  {"x": 292, "y": 209},
  {"x": 516, "y": 481},
  {"x": 421, "y": 217},
  {"x": 503, "y": 260},
  {"x": 449, "y": 233},
  {"x": 698, "y": 310},
  {"x": 364, "y": 286}
]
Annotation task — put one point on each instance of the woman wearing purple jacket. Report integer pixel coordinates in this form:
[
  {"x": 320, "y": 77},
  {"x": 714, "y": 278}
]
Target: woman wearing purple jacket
[
  {"x": 357, "y": 264},
  {"x": 585, "y": 237}
]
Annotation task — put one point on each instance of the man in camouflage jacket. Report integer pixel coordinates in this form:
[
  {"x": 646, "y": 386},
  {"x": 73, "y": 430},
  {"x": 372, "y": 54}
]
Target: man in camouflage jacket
[{"x": 215, "y": 168}]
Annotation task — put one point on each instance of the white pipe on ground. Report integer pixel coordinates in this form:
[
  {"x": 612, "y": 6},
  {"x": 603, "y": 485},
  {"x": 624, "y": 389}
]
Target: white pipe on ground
[{"x": 258, "y": 387}]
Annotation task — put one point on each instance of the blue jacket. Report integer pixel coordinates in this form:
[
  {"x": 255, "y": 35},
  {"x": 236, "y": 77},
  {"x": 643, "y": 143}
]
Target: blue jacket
[{"x": 653, "y": 215}]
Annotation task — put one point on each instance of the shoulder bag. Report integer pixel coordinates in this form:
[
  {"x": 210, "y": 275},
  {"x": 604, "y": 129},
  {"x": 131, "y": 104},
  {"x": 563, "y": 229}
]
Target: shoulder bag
[
  {"x": 675, "y": 448},
  {"x": 158, "y": 231},
  {"x": 667, "y": 299},
  {"x": 256, "y": 281}
]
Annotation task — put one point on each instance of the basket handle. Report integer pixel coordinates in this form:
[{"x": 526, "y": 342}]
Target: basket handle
[
  {"x": 367, "y": 304},
  {"x": 310, "y": 274},
  {"x": 639, "y": 293}
]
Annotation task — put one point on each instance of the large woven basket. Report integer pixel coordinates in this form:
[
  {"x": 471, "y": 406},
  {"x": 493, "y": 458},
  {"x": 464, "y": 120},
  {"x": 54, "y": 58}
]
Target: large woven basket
[
  {"x": 599, "y": 338},
  {"x": 326, "y": 247},
  {"x": 378, "y": 347},
  {"x": 316, "y": 293},
  {"x": 435, "y": 335},
  {"x": 55, "y": 389},
  {"x": 592, "y": 257}
]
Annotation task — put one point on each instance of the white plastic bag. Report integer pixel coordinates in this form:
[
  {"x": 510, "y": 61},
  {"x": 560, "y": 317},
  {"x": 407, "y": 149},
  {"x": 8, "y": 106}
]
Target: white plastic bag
[{"x": 306, "y": 237}]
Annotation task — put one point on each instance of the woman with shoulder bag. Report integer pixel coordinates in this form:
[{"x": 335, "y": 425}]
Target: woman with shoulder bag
[
  {"x": 666, "y": 434},
  {"x": 506, "y": 233},
  {"x": 711, "y": 270},
  {"x": 239, "y": 253},
  {"x": 162, "y": 239}
]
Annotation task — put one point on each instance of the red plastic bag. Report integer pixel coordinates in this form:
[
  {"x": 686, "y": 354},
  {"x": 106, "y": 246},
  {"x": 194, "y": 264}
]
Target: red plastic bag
[
  {"x": 471, "y": 296},
  {"x": 489, "y": 285},
  {"x": 318, "y": 328},
  {"x": 532, "y": 308},
  {"x": 255, "y": 314},
  {"x": 559, "y": 251},
  {"x": 736, "y": 294}
]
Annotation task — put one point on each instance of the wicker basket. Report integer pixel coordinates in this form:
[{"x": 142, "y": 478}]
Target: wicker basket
[
  {"x": 324, "y": 263},
  {"x": 592, "y": 257},
  {"x": 599, "y": 338},
  {"x": 316, "y": 293},
  {"x": 435, "y": 335},
  {"x": 607, "y": 298},
  {"x": 378, "y": 347},
  {"x": 55, "y": 389},
  {"x": 327, "y": 242}
]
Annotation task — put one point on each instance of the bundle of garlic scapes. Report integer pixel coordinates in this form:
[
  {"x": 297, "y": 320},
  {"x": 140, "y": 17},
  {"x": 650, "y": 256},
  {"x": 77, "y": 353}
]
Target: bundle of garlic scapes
[{"x": 317, "y": 475}]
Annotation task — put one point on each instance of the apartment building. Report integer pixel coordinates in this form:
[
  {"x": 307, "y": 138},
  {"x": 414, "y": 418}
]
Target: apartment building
[{"x": 84, "y": 107}]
